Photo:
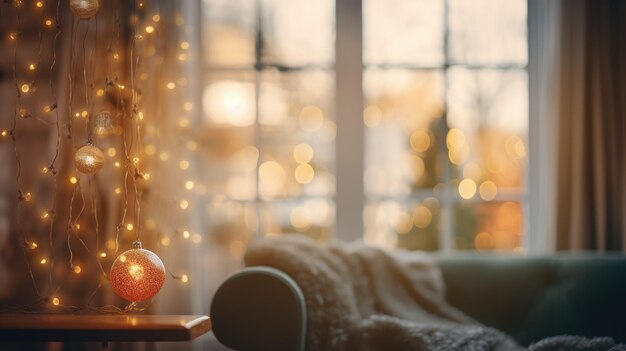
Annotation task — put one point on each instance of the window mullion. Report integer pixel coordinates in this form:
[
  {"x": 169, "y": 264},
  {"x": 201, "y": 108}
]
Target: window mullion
[{"x": 350, "y": 146}]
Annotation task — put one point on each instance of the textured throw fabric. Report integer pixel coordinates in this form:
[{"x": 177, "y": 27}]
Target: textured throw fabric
[{"x": 362, "y": 298}]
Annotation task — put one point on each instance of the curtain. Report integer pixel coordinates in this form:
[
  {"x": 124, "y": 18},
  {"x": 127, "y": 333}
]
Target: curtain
[{"x": 591, "y": 167}]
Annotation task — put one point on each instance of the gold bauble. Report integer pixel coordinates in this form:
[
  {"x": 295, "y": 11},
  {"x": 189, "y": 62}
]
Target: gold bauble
[
  {"x": 89, "y": 159},
  {"x": 84, "y": 9},
  {"x": 104, "y": 125},
  {"x": 137, "y": 274}
]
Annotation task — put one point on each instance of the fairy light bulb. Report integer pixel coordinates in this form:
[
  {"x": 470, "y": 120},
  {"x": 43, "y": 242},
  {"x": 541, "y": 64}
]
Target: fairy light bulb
[
  {"x": 137, "y": 274},
  {"x": 89, "y": 159},
  {"x": 84, "y": 9}
]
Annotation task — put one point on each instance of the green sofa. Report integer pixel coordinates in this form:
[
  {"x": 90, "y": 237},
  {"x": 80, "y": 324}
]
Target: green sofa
[{"x": 529, "y": 298}]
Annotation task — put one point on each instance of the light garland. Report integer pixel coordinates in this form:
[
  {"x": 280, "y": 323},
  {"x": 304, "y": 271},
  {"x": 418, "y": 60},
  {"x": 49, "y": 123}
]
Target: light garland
[{"x": 120, "y": 121}]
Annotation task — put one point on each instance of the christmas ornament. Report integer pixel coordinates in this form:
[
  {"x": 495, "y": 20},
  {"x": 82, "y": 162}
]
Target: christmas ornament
[
  {"x": 137, "y": 274},
  {"x": 104, "y": 124},
  {"x": 84, "y": 9},
  {"x": 89, "y": 159}
]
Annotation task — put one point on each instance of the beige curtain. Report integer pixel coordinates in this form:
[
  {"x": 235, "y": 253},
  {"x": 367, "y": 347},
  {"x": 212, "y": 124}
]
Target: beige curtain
[{"x": 591, "y": 200}]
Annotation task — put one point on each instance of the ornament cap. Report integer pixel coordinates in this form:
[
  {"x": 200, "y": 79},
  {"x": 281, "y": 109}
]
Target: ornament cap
[{"x": 137, "y": 244}]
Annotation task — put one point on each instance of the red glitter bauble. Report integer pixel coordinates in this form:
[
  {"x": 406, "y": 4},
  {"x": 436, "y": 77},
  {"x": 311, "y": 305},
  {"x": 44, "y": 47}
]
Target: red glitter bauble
[{"x": 137, "y": 274}]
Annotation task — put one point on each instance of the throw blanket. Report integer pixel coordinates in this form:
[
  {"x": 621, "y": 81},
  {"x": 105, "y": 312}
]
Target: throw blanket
[{"x": 363, "y": 298}]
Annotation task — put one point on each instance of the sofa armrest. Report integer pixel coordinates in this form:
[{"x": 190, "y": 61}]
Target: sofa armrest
[{"x": 259, "y": 308}]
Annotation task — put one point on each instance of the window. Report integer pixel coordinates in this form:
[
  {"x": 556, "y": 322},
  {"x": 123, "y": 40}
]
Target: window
[
  {"x": 268, "y": 104},
  {"x": 445, "y": 114},
  {"x": 445, "y": 86}
]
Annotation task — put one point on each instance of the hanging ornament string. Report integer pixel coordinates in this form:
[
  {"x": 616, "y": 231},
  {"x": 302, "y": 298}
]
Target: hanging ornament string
[
  {"x": 22, "y": 196},
  {"x": 135, "y": 117},
  {"x": 69, "y": 135},
  {"x": 86, "y": 86},
  {"x": 52, "y": 168}
]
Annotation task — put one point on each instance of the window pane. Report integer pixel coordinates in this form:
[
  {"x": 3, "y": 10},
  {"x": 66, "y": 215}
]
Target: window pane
[
  {"x": 298, "y": 32},
  {"x": 314, "y": 217},
  {"x": 403, "y": 118},
  {"x": 231, "y": 224},
  {"x": 228, "y": 99},
  {"x": 413, "y": 226},
  {"x": 227, "y": 148},
  {"x": 403, "y": 31},
  {"x": 229, "y": 32},
  {"x": 488, "y": 120},
  {"x": 298, "y": 133},
  {"x": 488, "y": 31},
  {"x": 488, "y": 226}
]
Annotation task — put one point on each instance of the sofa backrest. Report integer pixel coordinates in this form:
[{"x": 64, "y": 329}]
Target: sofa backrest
[{"x": 531, "y": 298}]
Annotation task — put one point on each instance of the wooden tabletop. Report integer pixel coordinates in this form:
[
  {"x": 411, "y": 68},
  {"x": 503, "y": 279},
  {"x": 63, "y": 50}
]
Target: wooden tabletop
[{"x": 101, "y": 327}]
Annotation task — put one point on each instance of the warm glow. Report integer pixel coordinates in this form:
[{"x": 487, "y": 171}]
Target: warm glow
[
  {"x": 488, "y": 190},
  {"x": 372, "y": 116},
  {"x": 32, "y": 67},
  {"x": 103, "y": 254},
  {"x": 300, "y": 218},
  {"x": 56, "y": 301},
  {"x": 304, "y": 173},
  {"x": 311, "y": 118},
  {"x": 184, "y": 164},
  {"x": 455, "y": 138},
  {"x": 184, "y": 278},
  {"x": 196, "y": 238},
  {"x": 136, "y": 271},
  {"x": 420, "y": 141},
  {"x": 130, "y": 226},
  {"x": 184, "y": 204},
  {"x": 77, "y": 269},
  {"x": 403, "y": 223},
  {"x": 467, "y": 188},
  {"x": 192, "y": 145},
  {"x": 165, "y": 241},
  {"x": 422, "y": 216},
  {"x": 111, "y": 152},
  {"x": 303, "y": 153},
  {"x": 483, "y": 241},
  {"x": 189, "y": 185},
  {"x": 43, "y": 261},
  {"x": 25, "y": 88},
  {"x": 230, "y": 102},
  {"x": 149, "y": 29},
  {"x": 150, "y": 149},
  {"x": 186, "y": 234},
  {"x": 73, "y": 180}
]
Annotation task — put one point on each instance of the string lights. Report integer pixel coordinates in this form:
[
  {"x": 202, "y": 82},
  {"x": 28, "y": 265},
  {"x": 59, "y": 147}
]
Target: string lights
[{"x": 112, "y": 115}]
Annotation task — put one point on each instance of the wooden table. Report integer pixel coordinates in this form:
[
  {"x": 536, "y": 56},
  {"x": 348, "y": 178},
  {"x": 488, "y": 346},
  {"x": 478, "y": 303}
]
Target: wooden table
[{"x": 102, "y": 328}]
